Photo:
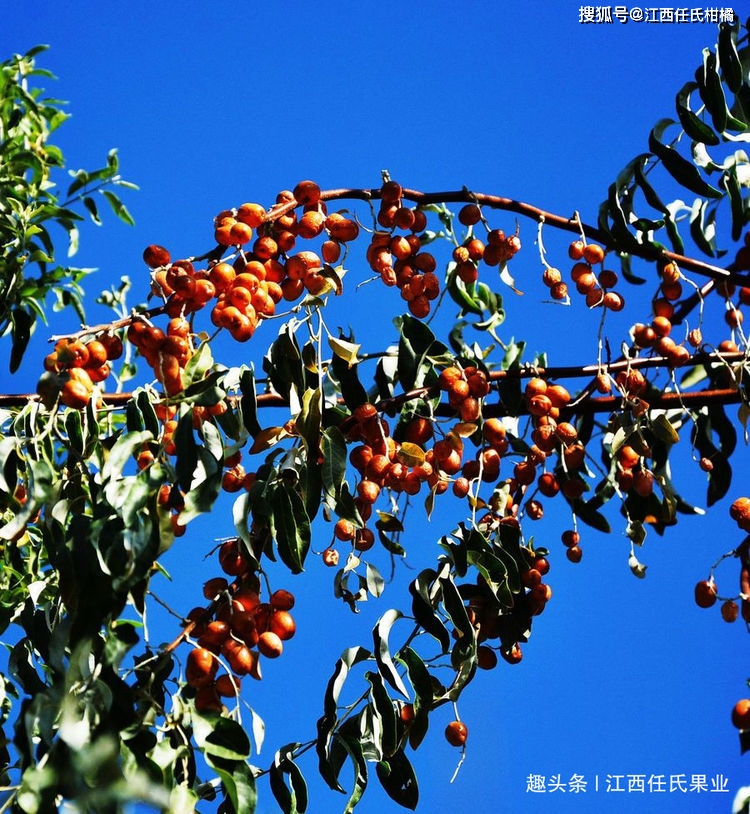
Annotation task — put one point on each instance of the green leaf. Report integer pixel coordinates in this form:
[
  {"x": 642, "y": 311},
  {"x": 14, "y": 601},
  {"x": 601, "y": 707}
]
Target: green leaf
[
  {"x": 238, "y": 781},
  {"x": 118, "y": 207},
  {"x": 375, "y": 581},
  {"x": 663, "y": 429},
  {"x": 396, "y": 775},
  {"x": 712, "y": 94},
  {"x": 90, "y": 204},
  {"x": 187, "y": 449},
  {"x": 309, "y": 420},
  {"x": 416, "y": 345},
  {"x": 424, "y": 611},
  {"x": 333, "y": 468},
  {"x": 385, "y": 711},
  {"x": 422, "y": 682},
  {"x": 345, "y": 350},
  {"x": 703, "y": 234},
  {"x": 464, "y": 650},
  {"x": 248, "y": 402},
  {"x": 731, "y": 65},
  {"x": 347, "y": 377},
  {"x": 327, "y": 722},
  {"x": 141, "y": 414},
  {"x": 739, "y": 217},
  {"x": 588, "y": 513},
  {"x": 198, "y": 365},
  {"x": 382, "y": 654},
  {"x": 283, "y": 362},
  {"x": 691, "y": 124},
  {"x": 351, "y": 744},
  {"x": 292, "y": 798},
  {"x": 227, "y": 740},
  {"x": 22, "y": 325},
  {"x": 291, "y": 527},
  {"x": 122, "y": 452},
  {"x": 683, "y": 171}
]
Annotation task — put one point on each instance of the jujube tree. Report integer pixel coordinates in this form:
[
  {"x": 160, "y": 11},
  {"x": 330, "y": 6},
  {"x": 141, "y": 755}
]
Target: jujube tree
[{"x": 96, "y": 483}]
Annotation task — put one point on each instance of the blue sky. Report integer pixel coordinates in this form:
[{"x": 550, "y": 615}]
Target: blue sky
[{"x": 213, "y": 105}]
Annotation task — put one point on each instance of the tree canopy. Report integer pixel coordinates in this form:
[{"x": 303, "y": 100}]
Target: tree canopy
[{"x": 337, "y": 451}]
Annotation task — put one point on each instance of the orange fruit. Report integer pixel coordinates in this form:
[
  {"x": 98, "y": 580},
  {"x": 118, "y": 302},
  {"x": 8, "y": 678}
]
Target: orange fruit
[
  {"x": 306, "y": 193},
  {"x": 251, "y": 214},
  {"x": 282, "y": 600},
  {"x": 207, "y": 699},
  {"x": 228, "y": 686},
  {"x": 270, "y": 645},
  {"x": 469, "y": 214},
  {"x": 201, "y": 667},
  {"x": 215, "y": 634},
  {"x": 155, "y": 256},
  {"x": 575, "y": 250},
  {"x": 232, "y": 559},
  {"x": 486, "y": 657},
  {"x": 213, "y": 587},
  {"x": 593, "y": 253},
  {"x": 364, "y": 539},
  {"x": 705, "y": 593},
  {"x": 456, "y": 733},
  {"x": 741, "y": 714},
  {"x": 344, "y": 530},
  {"x": 730, "y": 611},
  {"x": 283, "y": 625}
]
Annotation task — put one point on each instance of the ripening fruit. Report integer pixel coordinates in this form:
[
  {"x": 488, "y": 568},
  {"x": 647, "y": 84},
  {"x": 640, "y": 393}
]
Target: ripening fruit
[
  {"x": 456, "y": 733},
  {"x": 486, "y": 657},
  {"x": 705, "y": 593},
  {"x": 270, "y": 645},
  {"x": 570, "y": 538},
  {"x": 283, "y": 625},
  {"x": 201, "y": 667},
  {"x": 730, "y": 611},
  {"x": 406, "y": 714},
  {"x": 330, "y": 557},
  {"x": 307, "y": 193},
  {"x": 207, "y": 699},
  {"x": 232, "y": 559},
  {"x": 469, "y": 214},
  {"x": 514, "y": 655},
  {"x": 574, "y": 553},
  {"x": 213, "y": 587},
  {"x": 155, "y": 256},
  {"x": 741, "y": 714},
  {"x": 575, "y": 250},
  {"x": 75, "y": 394},
  {"x": 344, "y": 529},
  {"x": 227, "y": 686},
  {"x": 593, "y": 254},
  {"x": 282, "y": 600}
]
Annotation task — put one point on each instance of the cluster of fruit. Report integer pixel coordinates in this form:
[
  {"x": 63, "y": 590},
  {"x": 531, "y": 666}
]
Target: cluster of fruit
[
  {"x": 74, "y": 367},
  {"x": 166, "y": 353},
  {"x": 706, "y": 591},
  {"x": 498, "y": 249},
  {"x": 596, "y": 288},
  {"x": 491, "y": 621},
  {"x": 398, "y": 258},
  {"x": 237, "y": 629},
  {"x": 235, "y": 478}
]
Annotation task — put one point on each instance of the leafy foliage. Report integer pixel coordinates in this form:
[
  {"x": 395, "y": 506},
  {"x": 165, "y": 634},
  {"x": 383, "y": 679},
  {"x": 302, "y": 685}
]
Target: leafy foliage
[
  {"x": 94, "y": 488},
  {"x": 32, "y": 208}
]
